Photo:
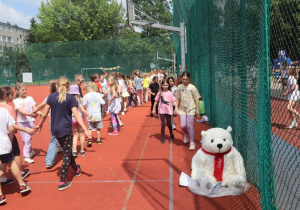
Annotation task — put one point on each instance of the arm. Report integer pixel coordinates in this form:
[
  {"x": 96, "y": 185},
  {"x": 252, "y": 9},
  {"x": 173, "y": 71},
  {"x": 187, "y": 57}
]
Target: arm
[
  {"x": 26, "y": 113},
  {"x": 197, "y": 106},
  {"x": 290, "y": 90},
  {"x": 11, "y": 132},
  {"x": 39, "y": 107},
  {"x": 81, "y": 123},
  {"x": 83, "y": 110},
  {"x": 113, "y": 95},
  {"x": 176, "y": 108},
  {"x": 154, "y": 108},
  {"x": 43, "y": 118},
  {"x": 26, "y": 130}
]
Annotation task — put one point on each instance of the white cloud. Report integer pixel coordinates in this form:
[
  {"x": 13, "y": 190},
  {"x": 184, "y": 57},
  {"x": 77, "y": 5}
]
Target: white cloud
[
  {"x": 13, "y": 16},
  {"x": 33, "y": 3}
]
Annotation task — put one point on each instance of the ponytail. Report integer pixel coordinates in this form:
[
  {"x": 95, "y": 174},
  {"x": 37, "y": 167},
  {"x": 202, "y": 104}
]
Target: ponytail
[{"x": 63, "y": 85}]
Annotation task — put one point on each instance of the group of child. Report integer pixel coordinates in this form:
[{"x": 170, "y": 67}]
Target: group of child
[{"x": 67, "y": 107}]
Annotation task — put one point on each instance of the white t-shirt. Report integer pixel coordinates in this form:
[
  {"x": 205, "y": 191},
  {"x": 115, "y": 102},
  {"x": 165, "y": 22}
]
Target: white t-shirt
[
  {"x": 104, "y": 85},
  {"x": 26, "y": 105},
  {"x": 6, "y": 121},
  {"x": 283, "y": 74},
  {"x": 295, "y": 94}
]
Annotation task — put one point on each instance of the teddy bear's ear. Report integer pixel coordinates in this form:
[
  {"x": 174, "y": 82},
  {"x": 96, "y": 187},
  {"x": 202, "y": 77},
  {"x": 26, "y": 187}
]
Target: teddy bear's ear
[
  {"x": 229, "y": 129},
  {"x": 203, "y": 133}
]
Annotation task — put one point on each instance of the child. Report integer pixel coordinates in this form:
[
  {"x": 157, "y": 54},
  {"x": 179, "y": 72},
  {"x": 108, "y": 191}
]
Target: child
[
  {"x": 131, "y": 91},
  {"x": 153, "y": 90},
  {"x": 78, "y": 81},
  {"x": 139, "y": 88},
  {"x": 94, "y": 79},
  {"x": 187, "y": 96},
  {"x": 63, "y": 105},
  {"x": 166, "y": 99},
  {"x": 6, "y": 96},
  {"x": 123, "y": 92},
  {"x": 54, "y": 146},
  {"x": 6, "y": 153},
  {"x": 293, "y": 95},
  {"x": 146, "y": 81},
  {"x": 114, "y": 106},
  {"x": 93, "y": 100},
  {"x": 77, "y": 130},
  {"x": 171, "y": 82},
  {"x": 25, "y": 118}
]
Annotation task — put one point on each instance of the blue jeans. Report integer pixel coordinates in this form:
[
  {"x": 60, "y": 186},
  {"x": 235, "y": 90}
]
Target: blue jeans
[{"x": 52, "y": 150}]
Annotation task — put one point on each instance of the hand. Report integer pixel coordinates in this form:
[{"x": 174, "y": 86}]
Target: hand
[
  {"x": 88, "y": 134},
  {"x": 153, "y": 112},
  {"x": 37, "y": 128},
  {"x": 176, "y": 111},
  {"x": 30, "y": 131},
  {"x": 92, "y": 119},
  {"x": 40, "y": 113},
  {"x": 33, "y": 114}
]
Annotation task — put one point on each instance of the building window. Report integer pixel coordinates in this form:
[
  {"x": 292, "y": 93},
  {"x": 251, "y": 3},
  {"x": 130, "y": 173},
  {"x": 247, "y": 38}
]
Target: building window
[
  {"x": 17, "y": 31},
  {"x": 9, "y": 39},
  {"x": 18, "y": 40},
  {"x": 21, "y": 36},
  {"x": 7, "y": 28},
  {"x": 4, "y": 38},
  {"x": 1, "y": 27}
]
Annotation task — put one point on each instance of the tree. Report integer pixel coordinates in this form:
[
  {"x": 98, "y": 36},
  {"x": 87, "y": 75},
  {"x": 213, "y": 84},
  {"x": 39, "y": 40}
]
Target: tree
[
  {"x": 159, "y": 10},
  {"x": 31, "y": 37},
  {"x": 77, "y": 20}
]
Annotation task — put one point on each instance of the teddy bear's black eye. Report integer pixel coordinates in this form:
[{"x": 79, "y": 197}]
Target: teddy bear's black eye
[
  {"x": 212, "y": 141},
  {"x": 224, "y": 139}
]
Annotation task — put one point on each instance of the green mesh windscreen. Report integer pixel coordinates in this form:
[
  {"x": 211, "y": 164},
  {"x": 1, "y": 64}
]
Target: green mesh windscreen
[
  {"x": 8, "y": 64},
  {"x": 228, "y": 58},
  {"x": 285, "y": 56},
  {"x": 49, "y": 61}
]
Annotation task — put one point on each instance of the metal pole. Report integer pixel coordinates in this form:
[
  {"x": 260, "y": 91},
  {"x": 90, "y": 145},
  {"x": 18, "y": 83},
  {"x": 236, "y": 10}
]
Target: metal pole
[{"x": 182, "y": 43}]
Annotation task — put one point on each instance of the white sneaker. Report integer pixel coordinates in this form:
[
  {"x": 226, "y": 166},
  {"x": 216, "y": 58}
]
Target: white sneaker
[
  {"x": 123, "y": 113},
  {"x": 186, "y": 139},
  {"x": 121, "y": 124},
  {"x": 28, "y": 160},
  {"x": 192, "y": 146},
  {"x": 292, "y": 125},
  {"x": 173, "y": 126},
  {"x": 32, "y": 153}
]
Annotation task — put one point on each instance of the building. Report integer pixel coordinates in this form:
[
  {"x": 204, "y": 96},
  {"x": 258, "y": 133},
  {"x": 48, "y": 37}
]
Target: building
[{"x": 11, "y": 35}]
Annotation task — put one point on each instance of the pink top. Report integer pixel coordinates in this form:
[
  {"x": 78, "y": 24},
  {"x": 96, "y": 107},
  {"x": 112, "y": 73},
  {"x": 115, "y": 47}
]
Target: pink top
[
  {"x": 165, "y": 102},
  {"x": 10, "y": 109}
]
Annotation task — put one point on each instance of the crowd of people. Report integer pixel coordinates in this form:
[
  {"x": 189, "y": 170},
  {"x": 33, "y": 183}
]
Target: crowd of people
[{"x": 69, "y": 104}]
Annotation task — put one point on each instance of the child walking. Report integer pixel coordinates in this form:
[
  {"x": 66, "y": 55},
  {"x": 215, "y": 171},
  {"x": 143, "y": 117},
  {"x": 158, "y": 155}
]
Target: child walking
[
  {"x": 292, "y": 93},
  {"x": 63, "y": 105},
  {"x": 153, "y": 90},
  {"x": 25, "y": 118},
  {"x": 187, "y": 101},
  {"x": 139, "y": 88},
  {"x": 123, "y": 92},
  {"x": 171, "y": 82},
  {"x": 6, "y": 153},
  {"x": 93, "y": 101},
  {"x": 165, "y": 109},
  {"x": 114, "y": 106},
  {"x": 77, "y": 129}
]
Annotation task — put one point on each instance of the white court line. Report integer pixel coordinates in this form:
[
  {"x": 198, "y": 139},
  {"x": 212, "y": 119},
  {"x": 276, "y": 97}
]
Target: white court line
[
  {"x": 171, "y": 201},
  {"x": 99, "y": 181}
]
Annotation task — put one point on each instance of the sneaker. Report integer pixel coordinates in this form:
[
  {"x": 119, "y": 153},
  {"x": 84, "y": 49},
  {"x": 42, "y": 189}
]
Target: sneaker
[
  {"x": 2, "y": 199},
  {"x": 110, "y": 125},
  {"x": 49, "y": 166},
  {"x": 121, "y": 124},
  {"x": 173, "y": 126},
  {"x": 186, "y": 139},
  {"x": 64, "y": 186},
  {"x": 162, "y": 140},
  {"x": 151, "y": 115},
  {"x": 89, "y": 144},
  {"x": 123, "y": 113},
  {"x": 28, "y": 160},
  {"x": 25, "y": 173},
  {"x": 78, "y": 172},
  {"x": 24, "y": 188},
  {"x": 157, "y": 117},
  {"x": 114, "y": 133},
  {"x": 120, "y": 129},
  {"x": 99, "y": 141},
  {"x": 172, "y": 136},
  {"x": 75, "y": 154},
  {"x": 7, "y": 182},
  {"x": 192, "y": 146},
  {"x": 82, "y": 153},
  {"x": 32, "y": 153}
]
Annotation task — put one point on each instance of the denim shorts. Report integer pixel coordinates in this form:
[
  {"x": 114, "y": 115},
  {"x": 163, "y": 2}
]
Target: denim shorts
[{"x": 95, "y": 125}]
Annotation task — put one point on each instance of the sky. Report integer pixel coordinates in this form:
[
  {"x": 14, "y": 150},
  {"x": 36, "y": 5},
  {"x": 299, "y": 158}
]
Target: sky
[{"x": 21, "y": 11}]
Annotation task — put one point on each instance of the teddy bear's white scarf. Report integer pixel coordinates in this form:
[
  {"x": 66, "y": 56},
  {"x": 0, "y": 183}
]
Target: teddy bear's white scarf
[{"x": 218, "y": 163}]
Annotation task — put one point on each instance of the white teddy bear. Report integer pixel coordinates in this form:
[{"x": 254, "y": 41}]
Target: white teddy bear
[{"x": 218, "y": 161}]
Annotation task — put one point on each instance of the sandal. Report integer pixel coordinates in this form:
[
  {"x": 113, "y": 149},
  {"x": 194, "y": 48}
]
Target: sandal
[
  {"x": 89, "y": 144},
  {"x": 99, "y": 141}
]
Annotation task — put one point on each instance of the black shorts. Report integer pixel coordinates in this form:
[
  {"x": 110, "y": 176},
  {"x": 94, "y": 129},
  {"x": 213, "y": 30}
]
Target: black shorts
[
  {"x": 6, "y": 158},
  {"x": 15, "y": 147}
]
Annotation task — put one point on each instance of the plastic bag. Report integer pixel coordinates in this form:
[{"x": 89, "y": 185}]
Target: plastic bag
[{"x": 201, "y": 108}]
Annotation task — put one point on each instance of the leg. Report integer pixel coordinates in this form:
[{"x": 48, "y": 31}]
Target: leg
[
  {"x": 16, "y": 172},
  {"x": 81, "y": 137},
  {"x": 26, "y": 138},
  {"x": 163, "y": 124},
  {"x": 190, "y": 126},
  {"x": 152, "y": 104},
  {"x": 183, "y": 123},
  {"x": 68, "y": 159},
  {"x": 114, "y": 122},
  {"x": 16, "y": 152},
  {"x": 52, "y": 150},
  {"x": 98, "y": 133},
  {"x": 75, "y": 137},
  {"x": 169, "y": 124},
  {"x": 125, "y": 103}
]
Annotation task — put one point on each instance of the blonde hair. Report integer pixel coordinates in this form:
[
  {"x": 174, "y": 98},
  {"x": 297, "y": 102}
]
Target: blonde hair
[
  {"x": 17, "y": 88},
  {"x": 87, "y": 85},
  {"x": 63, "y": 85}
]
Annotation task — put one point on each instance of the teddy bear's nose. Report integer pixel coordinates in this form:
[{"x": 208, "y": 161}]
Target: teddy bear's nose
[{"x": 220, "y": 146}]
